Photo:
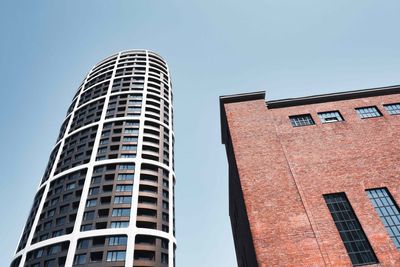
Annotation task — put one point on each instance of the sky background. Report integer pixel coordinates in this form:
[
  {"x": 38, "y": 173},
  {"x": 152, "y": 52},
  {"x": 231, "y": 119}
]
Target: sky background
[{"x": 213, "y": 48}]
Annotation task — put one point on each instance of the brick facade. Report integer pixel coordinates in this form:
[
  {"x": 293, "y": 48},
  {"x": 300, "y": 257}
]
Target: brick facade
[{"x": 276, "y": 199}]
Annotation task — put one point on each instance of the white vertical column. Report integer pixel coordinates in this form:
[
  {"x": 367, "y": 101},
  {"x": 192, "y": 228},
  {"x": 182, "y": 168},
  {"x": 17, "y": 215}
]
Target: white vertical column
[{"x": 130, "y": 248}]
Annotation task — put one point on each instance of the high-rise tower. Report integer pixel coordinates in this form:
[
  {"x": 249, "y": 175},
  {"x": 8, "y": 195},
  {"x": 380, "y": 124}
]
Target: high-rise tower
[{"x": 107, "y": 194}]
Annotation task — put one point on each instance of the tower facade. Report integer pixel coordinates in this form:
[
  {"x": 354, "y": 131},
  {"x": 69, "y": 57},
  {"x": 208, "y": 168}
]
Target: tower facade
[
  {"x": 314, "y": 181},
  {"x": 107, "y": 195}
]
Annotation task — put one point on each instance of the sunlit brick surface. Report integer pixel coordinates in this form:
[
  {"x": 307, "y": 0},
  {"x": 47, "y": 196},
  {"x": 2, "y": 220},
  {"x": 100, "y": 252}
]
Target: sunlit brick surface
[{"x": 279, "y": 174}]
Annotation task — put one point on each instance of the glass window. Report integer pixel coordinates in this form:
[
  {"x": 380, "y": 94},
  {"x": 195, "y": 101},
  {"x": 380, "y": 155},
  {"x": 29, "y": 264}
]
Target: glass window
[
  {"x": 132, "y": 123},
  {"x": 353, "y": 236},
  {"x": 126, "y": 167},
  {"x": 54, "y": 201},
  {"x": 124, "y": 188},
  {"x": 89, "y": 215},
  {"x": 57, "y": 233},
  {"x": 47, "y": 225},
  {"x": 50, "y": 263},
  {"x": 136, "y": 109},
  {"x": 94, "y": 191},
  {"x": 96, "y": 179},
  {"x": 83, "y": 243},
  {"x": 165, "y": 193},
  {"x": 165, "y": 205},
  {"x": 121, "y": 212},
  {"x": 130, "y": 139},
  {"x": 135, "y": 96},
  {"x": 116, "y": 256},
  {"x": 102, "y": 150},
  {"x": 117, "y": 241},
  {"x": 99, "y": 169},
  {"x": 131, "y": 130},
  {"x": 119, "y": 224},
  {"x": 64, "y": 209},
  {"x": 58, "y": 190},
  {"x": 104, "y": 141},
  {"x": 67, "y": 196},
  {"x": 86, "y": 227},
  {"x": 91, "y": 203},
  {"x": 368, "y": 112},
  {"x": 44, "y": 237},
  {"x": 164, "y": 243},
  {"x": 301, "y": 120},
  {"x": 124, "y": 177},
  {"x": 55, "y": 249},
  {"x": 128, "y": 147},
  {"x": 330, "y": 116},
  {"x": 135, "y": 102},
  {"x": 80, "y": 259},
  {"x": 164, "y": 258},
  {"x": 388, "y": 212},
  {"x": 393, "y": 109},
  {"x": 122, "y": 200},
  {"x": 51, "y": 213},
  {"x": 105, "y": 133},
  {"x": 38, "y": 253},
  {"x": 128, "y": 155},
  {"x": 61, "y": 221}
]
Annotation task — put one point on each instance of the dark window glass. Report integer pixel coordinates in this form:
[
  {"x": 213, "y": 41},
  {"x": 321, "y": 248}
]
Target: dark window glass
[
  {"x": 393, "y": 109},
  {"x": 330, "y": 116},
  {"x": 388, "y": 212},
  {"x": 164, "y": 258},
  {"x": 301, "y": 120},
  {"x": 116, "y": 255},
  {"x": 80, "y": 259},
  {"x": 368, "y": 112},
  {"x": 83, "y": 243},
  {"x": 117, "y": 240},
  {"x": 353, "y": 236}
]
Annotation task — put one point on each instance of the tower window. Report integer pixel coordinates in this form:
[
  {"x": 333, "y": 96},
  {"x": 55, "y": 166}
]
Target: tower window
[
  {"x": 388, "y": 212},
  {"x": 368, "y": 112},
  {"x": 117, "y": 241},
  {"x": 80, "y": 259},
  {"x": 353, "y": 236},
  {"x": 393, "y": 109},
  {"x": 330, "y": 116},
  {"x": 119, "y": 224},
  {"x": 116, "y": 256},
  {"x": 301, "y": 120}
]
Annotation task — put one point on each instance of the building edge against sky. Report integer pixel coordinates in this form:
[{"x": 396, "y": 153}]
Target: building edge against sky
[
  {"x": 307, "y": 173},
  {"x": 107, "y": 194}
]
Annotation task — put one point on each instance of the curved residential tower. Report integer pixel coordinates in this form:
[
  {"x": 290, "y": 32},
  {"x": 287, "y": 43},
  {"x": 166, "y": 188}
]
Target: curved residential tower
[{"x": 107, "y": 195}]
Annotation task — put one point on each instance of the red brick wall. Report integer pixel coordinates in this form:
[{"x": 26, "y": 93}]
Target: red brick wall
[{"x": 285, "y": 170}]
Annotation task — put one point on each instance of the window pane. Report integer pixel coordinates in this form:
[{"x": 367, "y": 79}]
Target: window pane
[
  {"x": 116, "y": 256},
  {"x": 388, "y": 212},
  {"x": 301, "y": 120},
  {"x": 393, "y": 109},
  {"x": 368, "y": 112},
  {"x": 330, "y": 116},
  {"x": 353, "y": 236}
]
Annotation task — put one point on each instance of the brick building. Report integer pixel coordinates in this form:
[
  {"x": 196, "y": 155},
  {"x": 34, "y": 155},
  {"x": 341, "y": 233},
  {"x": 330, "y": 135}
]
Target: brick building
[{"x": 313, "y": 181}]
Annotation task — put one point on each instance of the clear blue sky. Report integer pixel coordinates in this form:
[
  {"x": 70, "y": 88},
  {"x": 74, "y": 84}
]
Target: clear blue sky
[{"x": 288, "y": 48}]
